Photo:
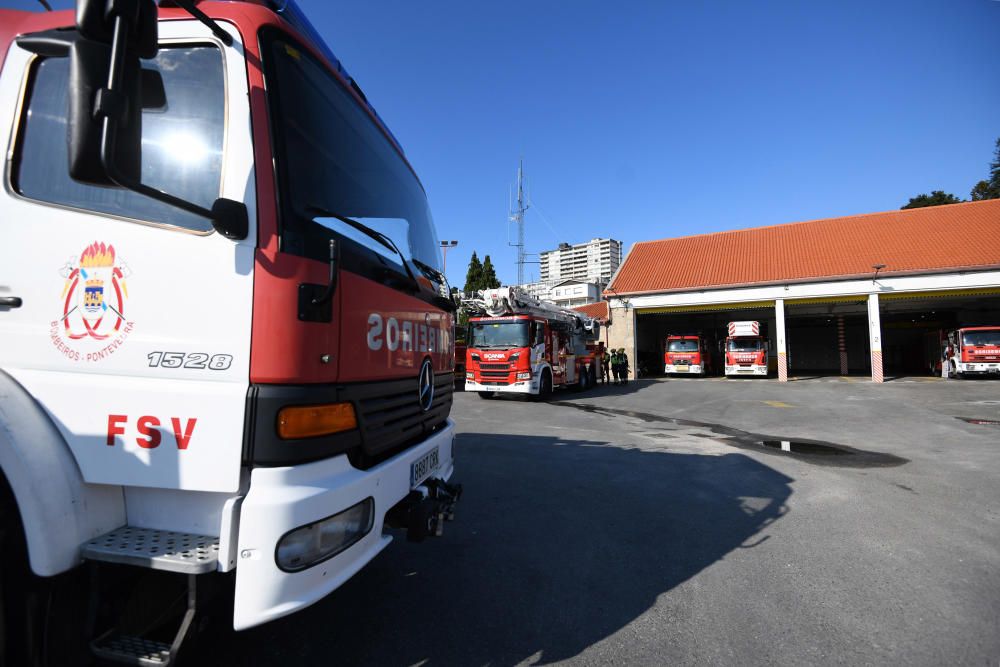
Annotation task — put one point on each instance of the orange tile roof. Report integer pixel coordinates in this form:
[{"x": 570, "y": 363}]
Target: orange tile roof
[
  {"x": 598, "y": 311},
  {"x": 936, "y": 239}
]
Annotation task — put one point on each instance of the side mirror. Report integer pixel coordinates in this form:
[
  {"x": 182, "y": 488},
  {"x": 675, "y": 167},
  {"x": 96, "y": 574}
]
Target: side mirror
[
  {"x": 229, "y": 218},
  {"x": 90, "y": 102},
  {"x": 106, "y": 89}
]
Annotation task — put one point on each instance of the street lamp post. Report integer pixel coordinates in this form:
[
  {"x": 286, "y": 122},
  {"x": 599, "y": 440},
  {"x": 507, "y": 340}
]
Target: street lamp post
[{"x": 445, "y": 246}]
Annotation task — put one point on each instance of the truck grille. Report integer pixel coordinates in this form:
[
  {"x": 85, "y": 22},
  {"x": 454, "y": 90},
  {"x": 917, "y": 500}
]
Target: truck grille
[
  {"x": 390, "y": 416},
  {"x": 494, "y": 367}
]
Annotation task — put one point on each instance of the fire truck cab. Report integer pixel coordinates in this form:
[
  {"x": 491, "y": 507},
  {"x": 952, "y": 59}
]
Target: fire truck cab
[
  {"x": 745, "y": 350},
  {"x": 521, "y": 345},
  {"x": 225, "y": 338},
  {"x": 689, "y": 354},
  {"x": 973, "y": 351}
]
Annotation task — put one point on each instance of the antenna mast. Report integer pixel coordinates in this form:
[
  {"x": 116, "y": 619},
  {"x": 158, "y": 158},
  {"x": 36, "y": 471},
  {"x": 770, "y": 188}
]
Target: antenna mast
[{"x": 517, "y": 217}]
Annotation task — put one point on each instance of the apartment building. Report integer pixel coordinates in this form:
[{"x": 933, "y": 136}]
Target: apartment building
[{"x": 594, "y": 261}]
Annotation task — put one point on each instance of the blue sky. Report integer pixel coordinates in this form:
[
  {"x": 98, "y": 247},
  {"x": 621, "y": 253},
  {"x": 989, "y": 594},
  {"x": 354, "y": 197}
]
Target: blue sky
[{"x": 647, "y": 120}]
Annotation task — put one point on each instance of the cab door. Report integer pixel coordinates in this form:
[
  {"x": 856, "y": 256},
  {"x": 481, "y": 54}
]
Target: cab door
[{"x": 133, "y": 331}]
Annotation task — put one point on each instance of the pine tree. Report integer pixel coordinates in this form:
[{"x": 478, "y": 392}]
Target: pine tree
[
  {"x": 474, "y": 276},
  {"x": 489, "y": 279},
  {"x": 989, "y": 189}
]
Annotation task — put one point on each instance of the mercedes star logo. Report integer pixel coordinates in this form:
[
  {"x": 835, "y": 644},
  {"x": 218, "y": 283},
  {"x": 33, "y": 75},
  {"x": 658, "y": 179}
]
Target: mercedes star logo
[{"x": 425, "y": 386}]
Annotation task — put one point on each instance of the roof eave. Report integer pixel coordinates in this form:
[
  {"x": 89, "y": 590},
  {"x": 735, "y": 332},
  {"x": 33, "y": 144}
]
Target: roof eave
[{"x": 814, "y": 279}]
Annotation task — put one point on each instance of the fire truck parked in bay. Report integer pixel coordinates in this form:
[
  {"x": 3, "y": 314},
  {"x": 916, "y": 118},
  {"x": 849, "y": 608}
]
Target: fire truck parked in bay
[
  {"x": 520, "y": 345},
  {"x": 972, "y": 351},
  {"x": 688, "y": 354},
  {"x": 745, "y": 350},
  {"x": 225, "y": 339}
]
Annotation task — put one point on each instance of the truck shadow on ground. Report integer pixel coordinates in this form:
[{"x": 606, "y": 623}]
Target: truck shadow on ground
[{"x": 558, "y": 545}]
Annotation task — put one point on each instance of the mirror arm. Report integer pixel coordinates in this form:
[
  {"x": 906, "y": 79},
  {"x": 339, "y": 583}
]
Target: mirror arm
[
  {"x": 216, "y": 29},
  {"x": 331, "y": 286}
]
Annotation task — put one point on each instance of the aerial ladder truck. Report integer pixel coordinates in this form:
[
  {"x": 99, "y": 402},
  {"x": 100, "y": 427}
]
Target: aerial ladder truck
[{"x": 521, "y": 345}]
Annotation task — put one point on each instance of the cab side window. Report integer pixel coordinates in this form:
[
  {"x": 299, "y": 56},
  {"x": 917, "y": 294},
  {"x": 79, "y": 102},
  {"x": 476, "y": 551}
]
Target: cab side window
[{"x": 182, "y": 143}]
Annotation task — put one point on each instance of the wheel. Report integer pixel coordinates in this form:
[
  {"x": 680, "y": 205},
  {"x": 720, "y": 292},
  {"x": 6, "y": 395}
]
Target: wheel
[
  {"x": 584, "y": 383},
  {"x": 486, "y": 394},
  {"x": 545, "y": 386},
  {"x": 593, "y": 376},
  {"x": 42, "y": 620}
]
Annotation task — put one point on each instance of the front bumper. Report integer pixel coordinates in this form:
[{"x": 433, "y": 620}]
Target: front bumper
[
  {"x": 519, "y": 387},
  {"x": 282, "y": 499},
  {"x": 683, "y": 369},
  {"x": 755, "y": 370},
  {"x": 978, "y": 367}
]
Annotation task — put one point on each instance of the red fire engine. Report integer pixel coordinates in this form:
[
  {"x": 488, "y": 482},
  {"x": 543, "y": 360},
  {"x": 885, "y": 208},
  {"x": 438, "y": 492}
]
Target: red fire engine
[
  {"x": 518, "y": 344},
  {"x": 225, "y": 338},
  {"x": 687, "y": 354},
  {"x": 746, "y": 350},
  {"x": 973, "y": 351}
]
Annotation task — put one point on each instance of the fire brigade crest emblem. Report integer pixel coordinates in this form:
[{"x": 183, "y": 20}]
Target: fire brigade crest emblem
[{"x": 93, "y": 304}]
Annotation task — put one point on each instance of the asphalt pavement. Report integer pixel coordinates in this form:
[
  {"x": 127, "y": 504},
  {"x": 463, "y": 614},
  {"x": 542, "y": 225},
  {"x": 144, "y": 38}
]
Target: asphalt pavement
[{"x": 647, "y": 525}]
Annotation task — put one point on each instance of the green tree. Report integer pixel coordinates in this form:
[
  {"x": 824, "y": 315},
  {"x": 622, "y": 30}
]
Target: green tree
[
  {"x": 474, "y": 276},
  {"x": 489, "y": 275},
  {"x": 935, "y": 198},
  {"x": 989, "y": 189}
]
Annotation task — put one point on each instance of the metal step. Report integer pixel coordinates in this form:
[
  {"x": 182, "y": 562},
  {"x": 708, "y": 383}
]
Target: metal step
[
  {"x": 186, "y": 553},
  {"x": 133, "y": 650}
]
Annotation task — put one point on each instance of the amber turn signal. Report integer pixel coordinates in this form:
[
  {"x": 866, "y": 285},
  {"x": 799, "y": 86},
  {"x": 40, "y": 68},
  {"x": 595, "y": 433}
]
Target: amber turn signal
[{"x": 309, "y": 421}]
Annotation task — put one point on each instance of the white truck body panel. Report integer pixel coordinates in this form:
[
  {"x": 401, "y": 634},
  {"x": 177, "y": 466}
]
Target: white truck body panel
[{"x": 171, "y": 296}]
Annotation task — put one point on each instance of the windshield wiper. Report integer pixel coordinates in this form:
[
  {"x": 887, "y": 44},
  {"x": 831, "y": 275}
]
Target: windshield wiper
[{"x": 374, "y": 234}]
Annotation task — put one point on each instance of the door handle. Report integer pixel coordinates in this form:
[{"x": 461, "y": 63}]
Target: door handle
[{"x": 10, "y": 302}]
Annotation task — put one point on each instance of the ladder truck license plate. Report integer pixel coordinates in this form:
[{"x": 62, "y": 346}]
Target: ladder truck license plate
[{"x": 422, "y": 468}]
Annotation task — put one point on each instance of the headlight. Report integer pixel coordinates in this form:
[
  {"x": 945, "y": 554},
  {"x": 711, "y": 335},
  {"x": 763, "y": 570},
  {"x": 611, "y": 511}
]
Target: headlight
[
  {"x": 315, "y": 542},
  {"x": 470, "y": 376},
  {"x": 524, "y": 376}
]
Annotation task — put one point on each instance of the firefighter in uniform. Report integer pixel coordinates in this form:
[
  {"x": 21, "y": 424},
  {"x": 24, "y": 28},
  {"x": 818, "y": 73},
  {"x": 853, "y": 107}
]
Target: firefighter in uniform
[
  {"x": 623, "y": 360},
  {"x": 606, "y": 364}
]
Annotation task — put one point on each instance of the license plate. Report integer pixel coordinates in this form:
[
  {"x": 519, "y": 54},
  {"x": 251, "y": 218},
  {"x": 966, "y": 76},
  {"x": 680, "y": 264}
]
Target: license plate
[
  {"x": 681, "y": 369},
  {"x": 422, "y": 468}
]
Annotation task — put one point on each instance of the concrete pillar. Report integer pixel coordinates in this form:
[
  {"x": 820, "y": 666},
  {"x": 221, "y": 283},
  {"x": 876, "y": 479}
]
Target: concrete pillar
[
  {"x": 631, "y": 348},
  {"x": 875, "y": 337},
  {"x": 623, "y": 333},
  {"x": 779, "y": 320},
  {"x": 842, "y": 344}
]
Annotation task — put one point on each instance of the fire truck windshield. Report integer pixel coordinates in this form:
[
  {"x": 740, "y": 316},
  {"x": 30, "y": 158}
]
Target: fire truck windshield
[
  {"x": 486, "y": 335},
  {"x": 333, "y": 157},
  {"x": 682, "y": 346},
  {"x": 744, "y": 345},
  {"x": 990, "y": 337}
]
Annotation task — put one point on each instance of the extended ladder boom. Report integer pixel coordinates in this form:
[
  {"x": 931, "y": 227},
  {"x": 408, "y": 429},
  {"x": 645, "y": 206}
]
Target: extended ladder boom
[{"x": 514, "y": 301}]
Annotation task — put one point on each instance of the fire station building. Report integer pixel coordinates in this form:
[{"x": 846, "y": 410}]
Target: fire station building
[{"x": 860, "y": 295}]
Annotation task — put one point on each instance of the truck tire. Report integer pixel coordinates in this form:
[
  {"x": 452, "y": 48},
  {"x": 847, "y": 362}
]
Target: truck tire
[
  {"x": 43, "y": 620},
  {"x": 584, "y": 382},
  {"x": 544, "y": 386}
]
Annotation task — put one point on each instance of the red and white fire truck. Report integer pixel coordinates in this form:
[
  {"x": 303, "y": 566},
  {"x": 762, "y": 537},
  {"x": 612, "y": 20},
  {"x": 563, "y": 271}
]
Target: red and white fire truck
[
  {"x": 688, "y": 354},
  {"x": 973, "y": 351},
  {"x": 225, "y": 339},
  {"x": 745, "y": 350},
  {"x": 520, "y": 345}
]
